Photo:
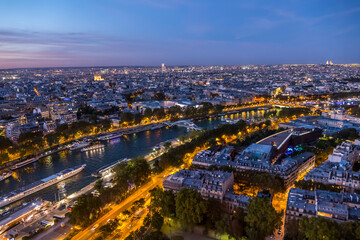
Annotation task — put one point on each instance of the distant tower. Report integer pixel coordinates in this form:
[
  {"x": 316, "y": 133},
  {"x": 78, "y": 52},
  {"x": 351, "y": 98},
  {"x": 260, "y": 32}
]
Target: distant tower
[
  {"x": 327, "y": 62},
  {"x": 163, "y": 68}
]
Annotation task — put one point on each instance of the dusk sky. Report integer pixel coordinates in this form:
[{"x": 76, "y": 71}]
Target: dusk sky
[{"x": 35, "y": 33}]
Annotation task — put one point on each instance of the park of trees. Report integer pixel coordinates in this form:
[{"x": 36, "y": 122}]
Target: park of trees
[
  {"x": 129, "y": 176},
  {"x": 315, "y": 228},
  {"x": 188, "y": 209}
]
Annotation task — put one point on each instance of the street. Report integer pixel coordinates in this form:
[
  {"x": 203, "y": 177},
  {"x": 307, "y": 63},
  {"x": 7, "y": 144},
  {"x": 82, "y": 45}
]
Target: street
[{"x": 124, "y": 205}]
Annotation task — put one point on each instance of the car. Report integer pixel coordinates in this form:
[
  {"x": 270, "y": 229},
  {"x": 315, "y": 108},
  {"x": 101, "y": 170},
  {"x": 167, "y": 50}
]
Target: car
[{"x": 94, "y": 227}]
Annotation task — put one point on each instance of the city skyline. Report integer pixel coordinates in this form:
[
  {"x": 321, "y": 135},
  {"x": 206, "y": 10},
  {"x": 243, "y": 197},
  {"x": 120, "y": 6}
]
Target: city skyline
[{"x": 148, "y": 33}]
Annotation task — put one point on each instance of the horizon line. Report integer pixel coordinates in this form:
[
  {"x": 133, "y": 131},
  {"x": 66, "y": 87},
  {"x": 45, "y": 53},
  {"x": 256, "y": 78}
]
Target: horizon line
[{"x": 172, "y": 66}]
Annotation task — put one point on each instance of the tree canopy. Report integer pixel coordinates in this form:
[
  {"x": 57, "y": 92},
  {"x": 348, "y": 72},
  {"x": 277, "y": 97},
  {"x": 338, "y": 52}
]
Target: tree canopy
[
  {"x": 261, "y": 219},
  {"x": 190, "y": 207}
]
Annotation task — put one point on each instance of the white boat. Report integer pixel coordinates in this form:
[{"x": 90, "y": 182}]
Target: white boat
[
  {"x": 5, "y": 175},
  {"x": 79, "y": 145},
  {"x": 93, "y": 147},
  {"x": 39, "y": 185},
  {"x": 109, "y": 137},
  {"x": 107, "y": 168},
  {"x": 24, "y": 163}
]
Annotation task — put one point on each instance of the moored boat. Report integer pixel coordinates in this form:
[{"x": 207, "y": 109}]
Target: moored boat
[
  {"x": 93, "y": 147},
  {"x": 39, "y": 185},
  {"x": 5, "y": 175}
]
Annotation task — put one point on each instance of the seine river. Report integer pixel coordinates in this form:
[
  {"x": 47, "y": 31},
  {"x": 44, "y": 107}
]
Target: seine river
[{"x": 128, "y": 146}]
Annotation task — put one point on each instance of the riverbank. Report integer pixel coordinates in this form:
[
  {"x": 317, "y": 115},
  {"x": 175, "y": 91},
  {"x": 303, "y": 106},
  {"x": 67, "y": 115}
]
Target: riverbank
[{"x": 124, "y": 131}]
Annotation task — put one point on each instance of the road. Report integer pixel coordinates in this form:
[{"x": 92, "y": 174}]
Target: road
[
  {"x": 55, "y": 232},
  {"x": 87, "y": 233}
]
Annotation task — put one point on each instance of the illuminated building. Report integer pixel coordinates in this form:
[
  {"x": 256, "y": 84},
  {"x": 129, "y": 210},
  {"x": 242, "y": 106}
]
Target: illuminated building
[
  {"x": 211, "y": 184},
  {"x": 261, "y": 156},
  {"x": 97, "y": 77},
  {"x": 337, "y": 170},
  {"x": 319, "y": 203},
  {"x": 163, "y": 67}
]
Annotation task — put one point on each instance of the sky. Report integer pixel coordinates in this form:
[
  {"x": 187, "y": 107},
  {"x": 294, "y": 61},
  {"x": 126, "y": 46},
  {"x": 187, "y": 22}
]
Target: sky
[{"x": 70, "y": 33}]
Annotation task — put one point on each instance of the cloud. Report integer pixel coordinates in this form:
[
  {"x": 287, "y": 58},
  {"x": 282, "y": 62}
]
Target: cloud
[{"x": 46, "y": 48}]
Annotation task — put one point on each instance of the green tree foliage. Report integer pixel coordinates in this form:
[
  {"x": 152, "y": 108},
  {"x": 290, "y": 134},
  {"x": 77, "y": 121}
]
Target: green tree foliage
[
  {"x": 213, "y": 214},
  {"x": 105, "y": 125},
  {"x": 99, "y": 186},
  {"x": 290, "y": 112},
  {"x": 190, "y": 207},
  {"x": 261, "y": 219},
  {"x": 159, "y": 113},
  {"x": 319, "y": 228},
  {"x": 127, "y": 117},
  {"x": 52, "y": 139},
  {"x": 29, "y": 136},
  {"x": 148, "y": 113},
  {"x": 348, "y": 134},
  {"x": 237, "y": 225},
  {"x": 4, "y": 157},
  {"x": 292, "y": 230},
  {"x": 85, "y": 210},
  {"x": 109, "y": 227},
  {"x": 136, "y": 171},
  {"x": 218, "y": 108},
  {"x": 4, "y": 143},
  {"x": 157, "y": 221},
  {"x": 139, "y": 203},
  {"x": 163, "y": 201},
  {"x": 175, "y": 155}
]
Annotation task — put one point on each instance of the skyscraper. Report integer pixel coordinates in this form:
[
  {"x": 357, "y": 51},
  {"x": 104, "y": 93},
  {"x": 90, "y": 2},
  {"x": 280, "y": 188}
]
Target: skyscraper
[{"x": 163, "y": 68}]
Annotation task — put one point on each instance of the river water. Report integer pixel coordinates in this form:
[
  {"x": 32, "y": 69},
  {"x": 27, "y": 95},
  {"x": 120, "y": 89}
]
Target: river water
[{"x": 128, "y": 146}]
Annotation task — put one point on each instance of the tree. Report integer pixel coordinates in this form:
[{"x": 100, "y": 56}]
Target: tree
[
  {"x": 127, "y": 117},
  {"x": 109, "y": 227},
  {"x": 319, "y": 228},
  {"x": 221, "y": 226},
  {"x": 52, "y": 139},
  {"x": 155, "y": 236},
  {"x": 139, "y": 203},
  {"x": 164, "y": 201},
  {"x": 159, "y": 113},
  {"x": 105, "y": 125},
  {"x": 4, "y": 157},
  {"x": 262, "y": 219},
  {"x": 99, "y": 185},
  {"x": 148, "y": 113},
  {"x": 4, "y": 143},
  {"x": 190, "y": 207},
  {"x": 218, "y": 108},
  {"x": 157, "y": 221},
  {"x": 292, "y": 230},
  {"x": 213, "y": 214},
  {"x": 86, "y": 208},
  {"x": 238, "y": 224}
]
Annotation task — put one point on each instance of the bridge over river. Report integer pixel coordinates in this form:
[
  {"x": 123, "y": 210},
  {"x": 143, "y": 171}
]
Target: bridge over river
[{"x": 184, "y": 123}]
